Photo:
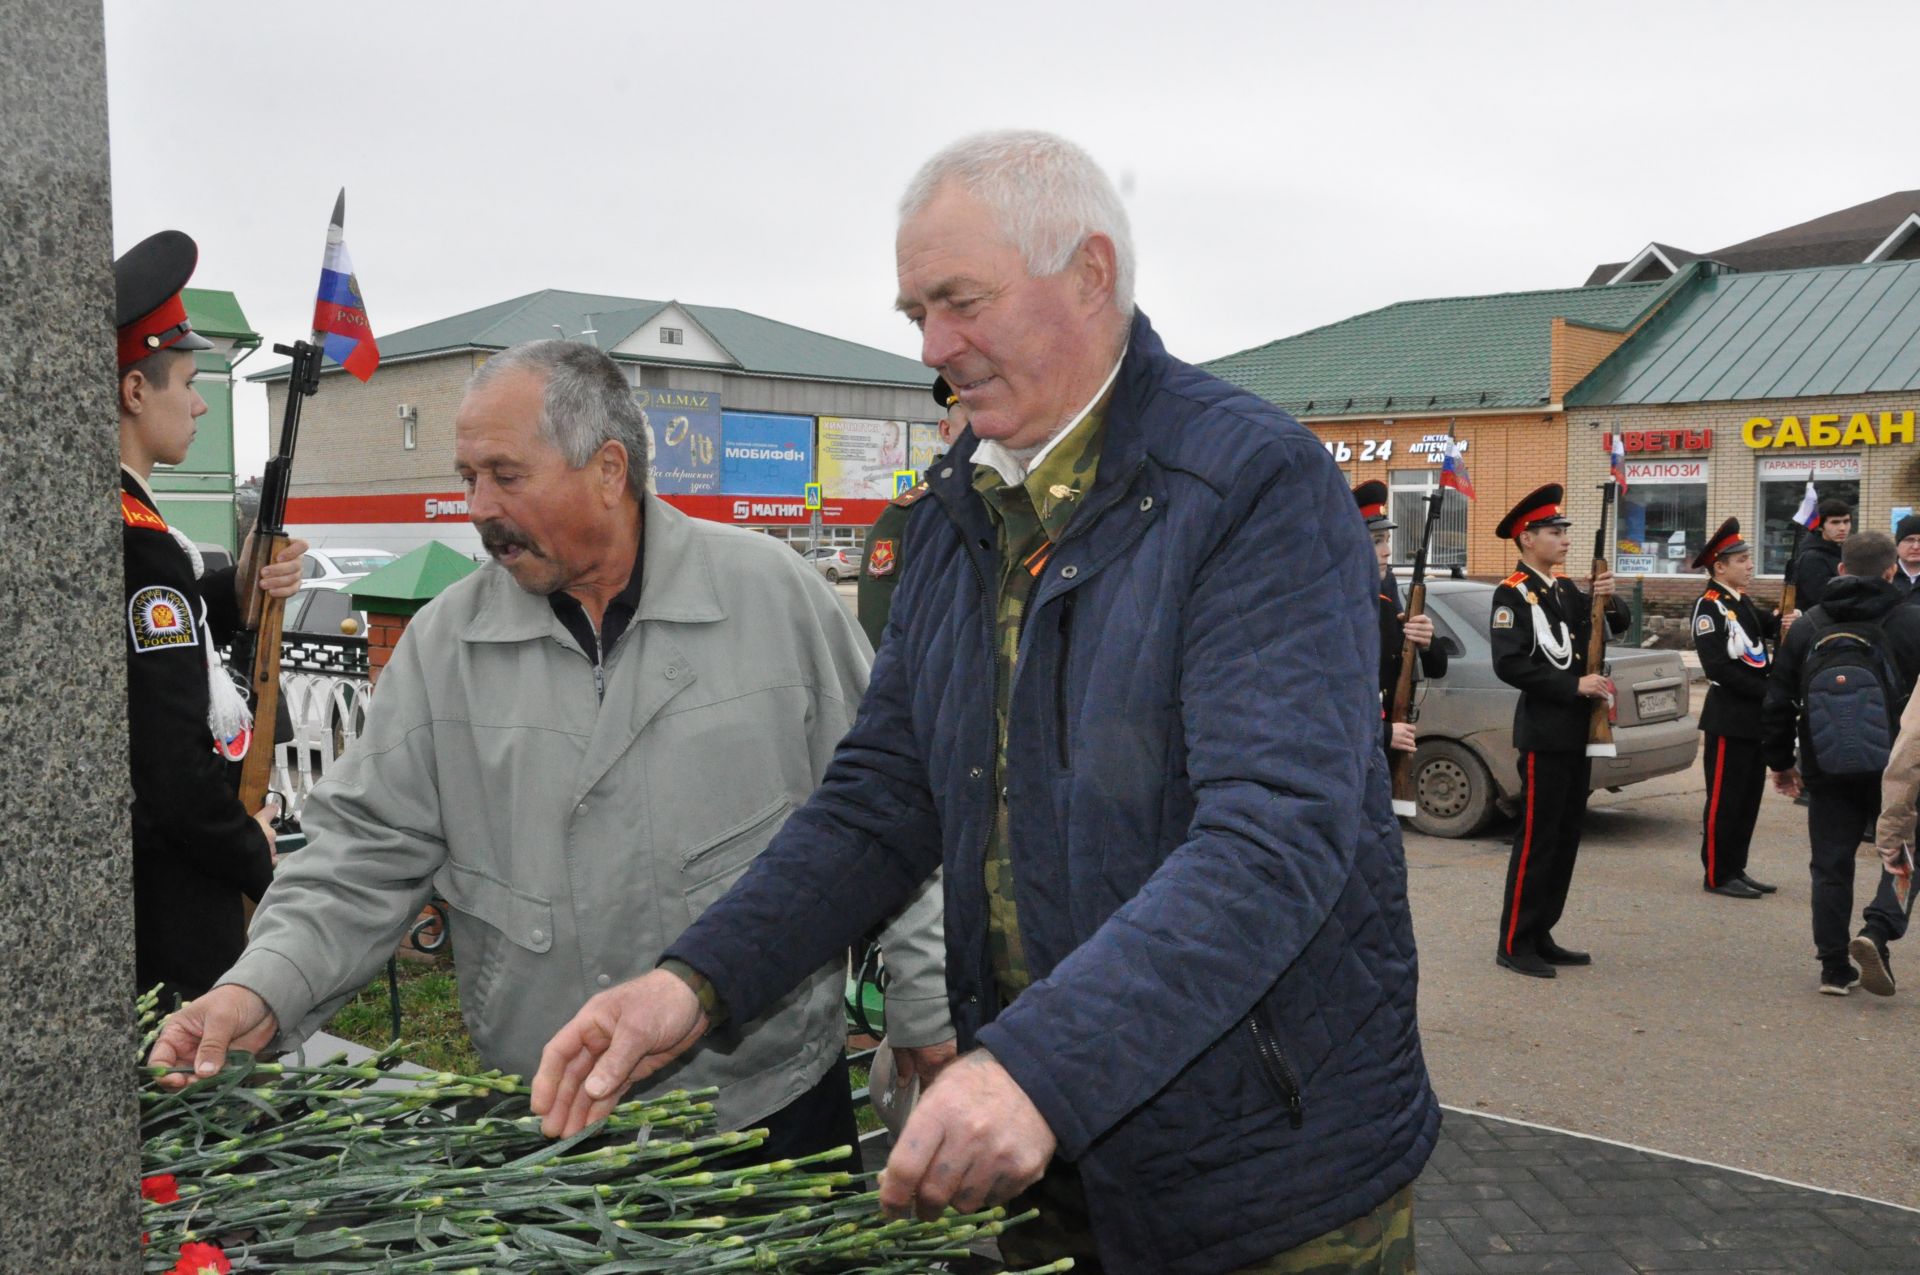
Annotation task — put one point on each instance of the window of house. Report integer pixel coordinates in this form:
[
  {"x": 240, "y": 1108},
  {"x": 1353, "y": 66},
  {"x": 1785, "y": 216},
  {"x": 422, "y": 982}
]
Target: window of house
[
  {"x": 1660, "y": 520},
  {"x": 1407, "y": 492},
  {"x": 1782, "y": 483},
  {"x": 672, "y": 336}
]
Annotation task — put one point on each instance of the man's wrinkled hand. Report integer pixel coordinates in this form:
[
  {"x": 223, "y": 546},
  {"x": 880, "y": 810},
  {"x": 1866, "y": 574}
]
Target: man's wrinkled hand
[
  {"x": 922, "y": 1062},
  {"x": 201, "y": 1032},
  {"x": 974, "y": 1139},
  {"x": 618, "y": 1039}
]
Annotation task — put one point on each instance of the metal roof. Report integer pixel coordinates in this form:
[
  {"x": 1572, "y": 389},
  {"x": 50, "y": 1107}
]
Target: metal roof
[
  {"x": 756, "y": 345},
  {"x": 1782, "y": 334},
  {"x": 216, "y": 313},
  {"x": 1458, "y": 353}
]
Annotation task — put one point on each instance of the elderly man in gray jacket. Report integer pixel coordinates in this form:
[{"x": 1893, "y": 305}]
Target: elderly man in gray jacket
[{"x": 581, "y": 746}]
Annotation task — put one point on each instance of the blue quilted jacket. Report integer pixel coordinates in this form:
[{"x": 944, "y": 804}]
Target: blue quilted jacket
[{"x": 1211, "y": 885}]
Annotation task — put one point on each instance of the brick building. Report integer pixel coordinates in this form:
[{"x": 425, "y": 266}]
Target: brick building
[
  {"x": 789, "y": 405},
  {"x": 1383, "y": 389},
  {"x": 1739, "y": 390}
]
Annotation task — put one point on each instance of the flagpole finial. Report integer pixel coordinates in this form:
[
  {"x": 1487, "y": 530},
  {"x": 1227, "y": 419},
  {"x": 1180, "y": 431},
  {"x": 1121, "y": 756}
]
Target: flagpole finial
[{"x": 340, "y": 208}]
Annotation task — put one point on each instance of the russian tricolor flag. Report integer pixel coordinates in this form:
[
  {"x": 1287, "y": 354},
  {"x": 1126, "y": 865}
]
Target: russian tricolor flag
[
  {"x": 1453, "y": 470},
  {"x": 339, "y": 314},
  {"x": 1617, "y": 459},
  {"x": 1808, "y": 514}
]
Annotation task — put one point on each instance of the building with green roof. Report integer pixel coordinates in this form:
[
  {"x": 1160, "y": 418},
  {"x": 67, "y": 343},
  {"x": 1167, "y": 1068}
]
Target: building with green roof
[
  {"x": 1742, "y": 390},
  {"x": 1385, "y": 389},
  {"x": 375, "y": 462}
]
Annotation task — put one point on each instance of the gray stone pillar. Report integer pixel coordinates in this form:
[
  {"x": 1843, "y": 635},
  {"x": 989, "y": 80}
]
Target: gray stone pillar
[{"x": 69, "y": 1150}]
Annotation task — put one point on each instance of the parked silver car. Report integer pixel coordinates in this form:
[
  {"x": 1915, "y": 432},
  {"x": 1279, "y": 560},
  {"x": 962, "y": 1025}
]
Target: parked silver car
[{"x": 1466, "y": 768}]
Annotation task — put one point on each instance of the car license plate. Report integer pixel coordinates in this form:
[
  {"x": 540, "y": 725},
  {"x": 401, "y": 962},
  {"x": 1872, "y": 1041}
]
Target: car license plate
[{"x": 1652, "y": 704}]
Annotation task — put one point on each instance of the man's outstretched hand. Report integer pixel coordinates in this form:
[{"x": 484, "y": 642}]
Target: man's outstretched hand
[
  {"x": 618, "y": 1038},
  {"x": 201, "y": 1032},
  {"x": 974, "y": 1139}
]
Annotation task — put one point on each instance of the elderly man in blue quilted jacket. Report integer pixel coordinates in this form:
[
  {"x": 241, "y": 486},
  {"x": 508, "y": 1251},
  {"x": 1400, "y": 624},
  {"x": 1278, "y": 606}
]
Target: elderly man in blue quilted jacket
[{"x": 1127, "y": 700}]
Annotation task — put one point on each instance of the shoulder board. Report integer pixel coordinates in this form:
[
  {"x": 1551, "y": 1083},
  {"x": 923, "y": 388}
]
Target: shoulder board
[
  {"x": 910, "y": 495},
  {"x": 1712, "y": 595},
  {"x": 138, "y": 513},
  {"x": 1515, "y": 580}
]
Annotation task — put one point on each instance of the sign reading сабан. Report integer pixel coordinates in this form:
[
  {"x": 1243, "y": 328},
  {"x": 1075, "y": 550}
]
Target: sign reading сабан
[{"x": 1825, "y": 430}]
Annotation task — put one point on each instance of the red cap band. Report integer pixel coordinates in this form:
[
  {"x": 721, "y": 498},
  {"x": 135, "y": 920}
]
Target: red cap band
[
  {"x": 1541, "y": 514},
  {"x": 1373, "y": 511},
  {"x": 155, "y": 331}
]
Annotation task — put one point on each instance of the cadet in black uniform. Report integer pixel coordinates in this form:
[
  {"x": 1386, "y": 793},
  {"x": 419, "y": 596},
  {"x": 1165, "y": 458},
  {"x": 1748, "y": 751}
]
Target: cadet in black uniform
[
  {"x": 882, "y": 562},
  {"x": 1396, "y": 630},
  {"x": 1539, "y": 628},
  {"x": 1731, "y": 635},
  {"x": 196, "y": 852}
]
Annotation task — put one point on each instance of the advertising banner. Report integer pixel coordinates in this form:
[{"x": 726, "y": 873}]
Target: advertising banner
[
  {"x": 858, "y": 457},
  {"x": 765, "y": 455},
  {"x": 922, "y": 446},
  {"x": 778, "y": 511},
  {"x": 686, "y": 439}
]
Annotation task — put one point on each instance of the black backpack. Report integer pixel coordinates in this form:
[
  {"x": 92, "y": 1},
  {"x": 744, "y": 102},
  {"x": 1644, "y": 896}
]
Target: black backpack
[{"x": 1850, "y": 697}]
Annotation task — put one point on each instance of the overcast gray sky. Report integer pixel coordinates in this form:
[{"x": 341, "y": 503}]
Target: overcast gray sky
[{"x": 1286, "y": 165}]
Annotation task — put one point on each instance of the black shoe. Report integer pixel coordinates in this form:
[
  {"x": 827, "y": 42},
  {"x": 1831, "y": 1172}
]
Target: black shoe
[
  {"x": 1553, "y": 954},
  {"x": 1839, "y": 982},
  {"x": 1761, "y": 886},
  {"x": 1735, "y": 888},
  {"x": 1876, "y": 970},
  {"x": 1524, "y": 963}
]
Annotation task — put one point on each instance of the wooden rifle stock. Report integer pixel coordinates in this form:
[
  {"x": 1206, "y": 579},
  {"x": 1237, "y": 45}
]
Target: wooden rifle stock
[
  {"x": 1600, "y": 717},
  {"x": 1406, "y": 796},
  {"x": 265, "y": 615}
]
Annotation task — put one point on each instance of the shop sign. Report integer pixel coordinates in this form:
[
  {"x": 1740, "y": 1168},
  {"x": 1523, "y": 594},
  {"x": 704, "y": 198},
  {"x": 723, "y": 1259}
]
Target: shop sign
[
  {"x": 685, "y": 425},
  {"x": 774, "y": 511},
  {"x": 1635, "y": 564},
  {"x": 1432, "y": 446},
  {"x": 1798, "y": 469},
  {"x": 765, "y": 455},
  {"x": 1655, "y": 472},
  {"x": 1826, "y": 431},
  {"x": 1662, "y": 440}
]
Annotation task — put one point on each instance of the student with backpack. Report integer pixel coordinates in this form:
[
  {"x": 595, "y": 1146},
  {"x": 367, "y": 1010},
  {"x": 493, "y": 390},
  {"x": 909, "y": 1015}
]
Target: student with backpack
[{"x": 1841, "y": 680}]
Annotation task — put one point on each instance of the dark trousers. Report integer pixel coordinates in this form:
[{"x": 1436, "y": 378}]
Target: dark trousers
[
  {"x": 1840, "y": 813},
  {"x": 818, "y": 1120},
  {"x": 1736, "y": 779},
  {"x": 1540, "y": 869}
]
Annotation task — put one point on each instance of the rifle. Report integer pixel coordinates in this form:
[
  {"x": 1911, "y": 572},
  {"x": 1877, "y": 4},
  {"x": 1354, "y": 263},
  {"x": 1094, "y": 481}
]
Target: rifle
[
  {"x": 1400, "y": 765},
  {"x": 1789, "y": 591},
  {"x": 1600, "y": 719},
  {"x": 258, "y": 647}
]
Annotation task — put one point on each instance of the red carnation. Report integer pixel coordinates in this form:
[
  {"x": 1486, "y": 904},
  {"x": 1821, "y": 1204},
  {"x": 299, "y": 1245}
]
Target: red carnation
[
  {"x": 160, "y": 1190},
  {"x": 201, "y": 1259}
]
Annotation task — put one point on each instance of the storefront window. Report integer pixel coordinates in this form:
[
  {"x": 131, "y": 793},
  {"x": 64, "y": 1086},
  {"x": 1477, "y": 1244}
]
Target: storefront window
[
  {"x": 1782, "y": 482},
  {"x": 1661, "y": 517},
  {"x": 1407, "y": 495}
]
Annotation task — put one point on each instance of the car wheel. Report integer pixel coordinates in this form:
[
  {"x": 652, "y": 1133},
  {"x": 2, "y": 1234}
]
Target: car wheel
[
  {"x": 1454, "y": 793},
  {"x": 833, "y": 575}
]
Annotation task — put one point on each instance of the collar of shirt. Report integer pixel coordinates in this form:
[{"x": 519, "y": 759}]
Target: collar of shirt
[
  {"x": 1009, "y": 466},
  {"x": 145, "y": 491},
  {"x": 619, "y": 610},
  {"x": 1547, "y": 581},
  {"x": 1727, "y": 589}
]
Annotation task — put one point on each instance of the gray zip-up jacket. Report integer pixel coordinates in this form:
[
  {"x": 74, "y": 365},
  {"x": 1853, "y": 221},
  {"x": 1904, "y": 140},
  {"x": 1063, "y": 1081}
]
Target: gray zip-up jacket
[{"x": 576, "y": 837}]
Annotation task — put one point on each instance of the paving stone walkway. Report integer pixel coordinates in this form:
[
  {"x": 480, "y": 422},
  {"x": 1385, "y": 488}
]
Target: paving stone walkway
[{"x": 1500, "y": 1198}]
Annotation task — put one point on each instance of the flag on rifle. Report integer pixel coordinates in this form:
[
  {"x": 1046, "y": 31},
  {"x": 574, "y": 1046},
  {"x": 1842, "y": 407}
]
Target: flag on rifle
[
  {"x": 1808, "y": 514},
  {"x": 1453, "y": 470},
  {"x": 1617, "y": 460},
  {"x": 339, "y": 313}
]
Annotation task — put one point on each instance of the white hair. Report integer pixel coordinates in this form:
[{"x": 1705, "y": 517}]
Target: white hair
[{"x": 1047, "y": 194}]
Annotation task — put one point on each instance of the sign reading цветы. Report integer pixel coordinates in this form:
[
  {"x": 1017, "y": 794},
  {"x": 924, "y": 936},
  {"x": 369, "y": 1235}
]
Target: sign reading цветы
[{"x": 1826, "y": 431}]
